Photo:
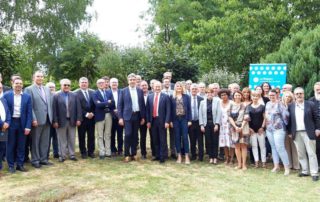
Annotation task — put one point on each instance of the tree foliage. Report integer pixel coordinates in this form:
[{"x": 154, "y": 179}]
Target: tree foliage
[
  {"x": 220, "y": 75},
  {"x": 13, "y": 58},
  {"x": 43, "y": 25},
  {"x": 78, "y": 57},
  {"x": 301, "y": 52}
]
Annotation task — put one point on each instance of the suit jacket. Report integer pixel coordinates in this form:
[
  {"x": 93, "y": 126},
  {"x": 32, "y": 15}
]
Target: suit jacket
[
  {"x": 103, "y": 106},
  {"x": 311, "y": 120},
  {"x": 4, "y": 136},
  {"x": 125, "y": 104},
  {"x": 60, "y": 109},
  {"x": 186, "y": 106},
  {"x": 199, "y": 99},
  {"x": 163, "y": 108},
  {"x": 40, "y": 106},
  {"x": 86, "y": 107},
  {"x": 216, "y": 111},
  {"x": 25, "y": 109}
]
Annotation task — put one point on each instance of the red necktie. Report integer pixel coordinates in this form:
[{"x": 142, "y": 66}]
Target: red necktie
[{"x": 155, "y": 106}]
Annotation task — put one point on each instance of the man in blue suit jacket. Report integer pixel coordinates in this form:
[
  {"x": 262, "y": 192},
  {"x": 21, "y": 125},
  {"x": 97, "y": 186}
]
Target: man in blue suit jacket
[
  {"x": 20, "y": 108},
  {"x": 158, "y": 119},
  {"x": 5, "y": 119},
  {"x": 104, "y": 105},
  {"x": 131, "y": 110}
]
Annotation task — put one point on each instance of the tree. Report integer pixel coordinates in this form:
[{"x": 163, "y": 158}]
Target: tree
[
  {"x": 78, "y": 57},
  {"x": 222, "y": 76},
  {"x": 238, "y": 39},
  {"x": 44, "y": 24},
  {"x": 301, "y": 52},
  {"x": 13, "y": 58}
]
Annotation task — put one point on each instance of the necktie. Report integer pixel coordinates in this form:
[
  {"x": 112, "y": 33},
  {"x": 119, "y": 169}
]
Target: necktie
[
  {"x": 42, "y": 93},
  {"x": 195, "y": 110},
  {"x": 67, "y": 105},
  {"x": 103, "y": 95},
  {"x": 155, "y": 105},
  {"x": 86, "y": 96}
]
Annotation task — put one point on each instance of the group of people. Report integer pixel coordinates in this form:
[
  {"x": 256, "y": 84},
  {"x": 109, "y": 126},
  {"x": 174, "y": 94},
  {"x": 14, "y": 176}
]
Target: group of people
[{"x": 197, "y": 120}]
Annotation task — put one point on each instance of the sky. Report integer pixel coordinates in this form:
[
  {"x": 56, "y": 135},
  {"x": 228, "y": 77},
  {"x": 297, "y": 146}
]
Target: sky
[{"x": 118, "y": 20}]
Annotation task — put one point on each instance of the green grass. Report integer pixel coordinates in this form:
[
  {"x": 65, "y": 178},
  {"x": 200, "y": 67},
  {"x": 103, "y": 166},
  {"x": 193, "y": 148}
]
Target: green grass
[{"x": 113, "y": 180}]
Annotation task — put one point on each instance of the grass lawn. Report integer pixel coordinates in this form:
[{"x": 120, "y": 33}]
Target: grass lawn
[{"x": 113, "y": 180}]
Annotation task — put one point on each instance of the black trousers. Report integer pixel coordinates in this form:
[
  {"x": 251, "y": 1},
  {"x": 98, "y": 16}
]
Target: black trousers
[
  {"x": 131, "y": 128},
  {"x": 212, "y": 139},
  {"x": 196, "y": 137},
  {"x": 116, "y": 131},
  {"x": 143, "y": 138},
  {"x": 87, "y": 127},
  {"x": 318, "y": 149},
  {"x": 159, "y": 138},
  {"x": 54, "y": 140},
  {"x": 28, "y": 146}
]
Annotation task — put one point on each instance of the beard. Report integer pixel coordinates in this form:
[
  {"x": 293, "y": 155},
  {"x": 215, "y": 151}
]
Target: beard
[{"x": 317, "y": 96}]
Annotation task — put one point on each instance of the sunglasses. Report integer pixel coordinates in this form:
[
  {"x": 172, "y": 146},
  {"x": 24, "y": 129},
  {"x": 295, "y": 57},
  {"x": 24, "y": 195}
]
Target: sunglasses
[{"x": 67, "y": 85}]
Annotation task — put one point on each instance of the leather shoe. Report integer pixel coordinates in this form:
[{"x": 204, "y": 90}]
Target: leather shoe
[
  {"x": 73, "y": 159},
  {"x": 61, "y": 160},
  {"x": 303, "y": 175},
  {"x": 315, "y": 178},
  {"x": 162, "y": 161},
  {"x": 21, "y": 168},
  {"x": 11, "y": 170},
  {"x": 126, "y": 159},
  {"x": 135, "y": 158},
  {"x": 84, "y": 156},
  {"x": 36, "y": 165},
  {"x": 46, "y": 163},
  {"x": 155, "y": 159},
  {"x": 144, "y": 157},
  {"x": 92, "y": 156},
  {"x": 102, "y": 157},
  {"x": 56, "y": 156}
]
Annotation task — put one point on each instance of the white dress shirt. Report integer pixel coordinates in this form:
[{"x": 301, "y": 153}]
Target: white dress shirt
[
  {"x": 300, "y": 116},
  {"x": 17, "y": 105},
  {"x": 115, "y": 97},
  {"x": 134, "y": 98},
  {"x": 2, "y": 112}
]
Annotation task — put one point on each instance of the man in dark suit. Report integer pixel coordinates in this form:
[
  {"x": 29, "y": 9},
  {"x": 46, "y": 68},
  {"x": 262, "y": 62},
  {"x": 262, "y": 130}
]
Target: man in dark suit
[
  {"x": 85, "y": 95},
  {"x": 158, "y": 119},
  {"x": 195, "y": 134},
  {"x": 167, "y": 90},
  {"x": 41, "y": 120},
  {"x": 104, "y": 105},
  {"x": 131, "y": 109},
  {"x": 5, "y": 119},
  {"x": 66, "y": 116},
  {"x": 20, "y": 108},
  {"x": 143, "y": 128},
  {"x": 116, "y": 130},
  {"x": 316, "y": 101},
  {"x": 304, "y": 127}
]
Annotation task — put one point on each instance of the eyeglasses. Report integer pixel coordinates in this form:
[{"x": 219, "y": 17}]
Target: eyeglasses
[
  {"x": 66, "y": 85},
  {"x": 298, "y": 93}
]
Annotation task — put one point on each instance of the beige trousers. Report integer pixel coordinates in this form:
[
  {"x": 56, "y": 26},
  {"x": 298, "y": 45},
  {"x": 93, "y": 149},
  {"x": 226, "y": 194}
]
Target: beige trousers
[
  {"x": 103, "y": 129},
  {"x": 305, "y": 147},
  {"x": 292, "y": 153}
]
